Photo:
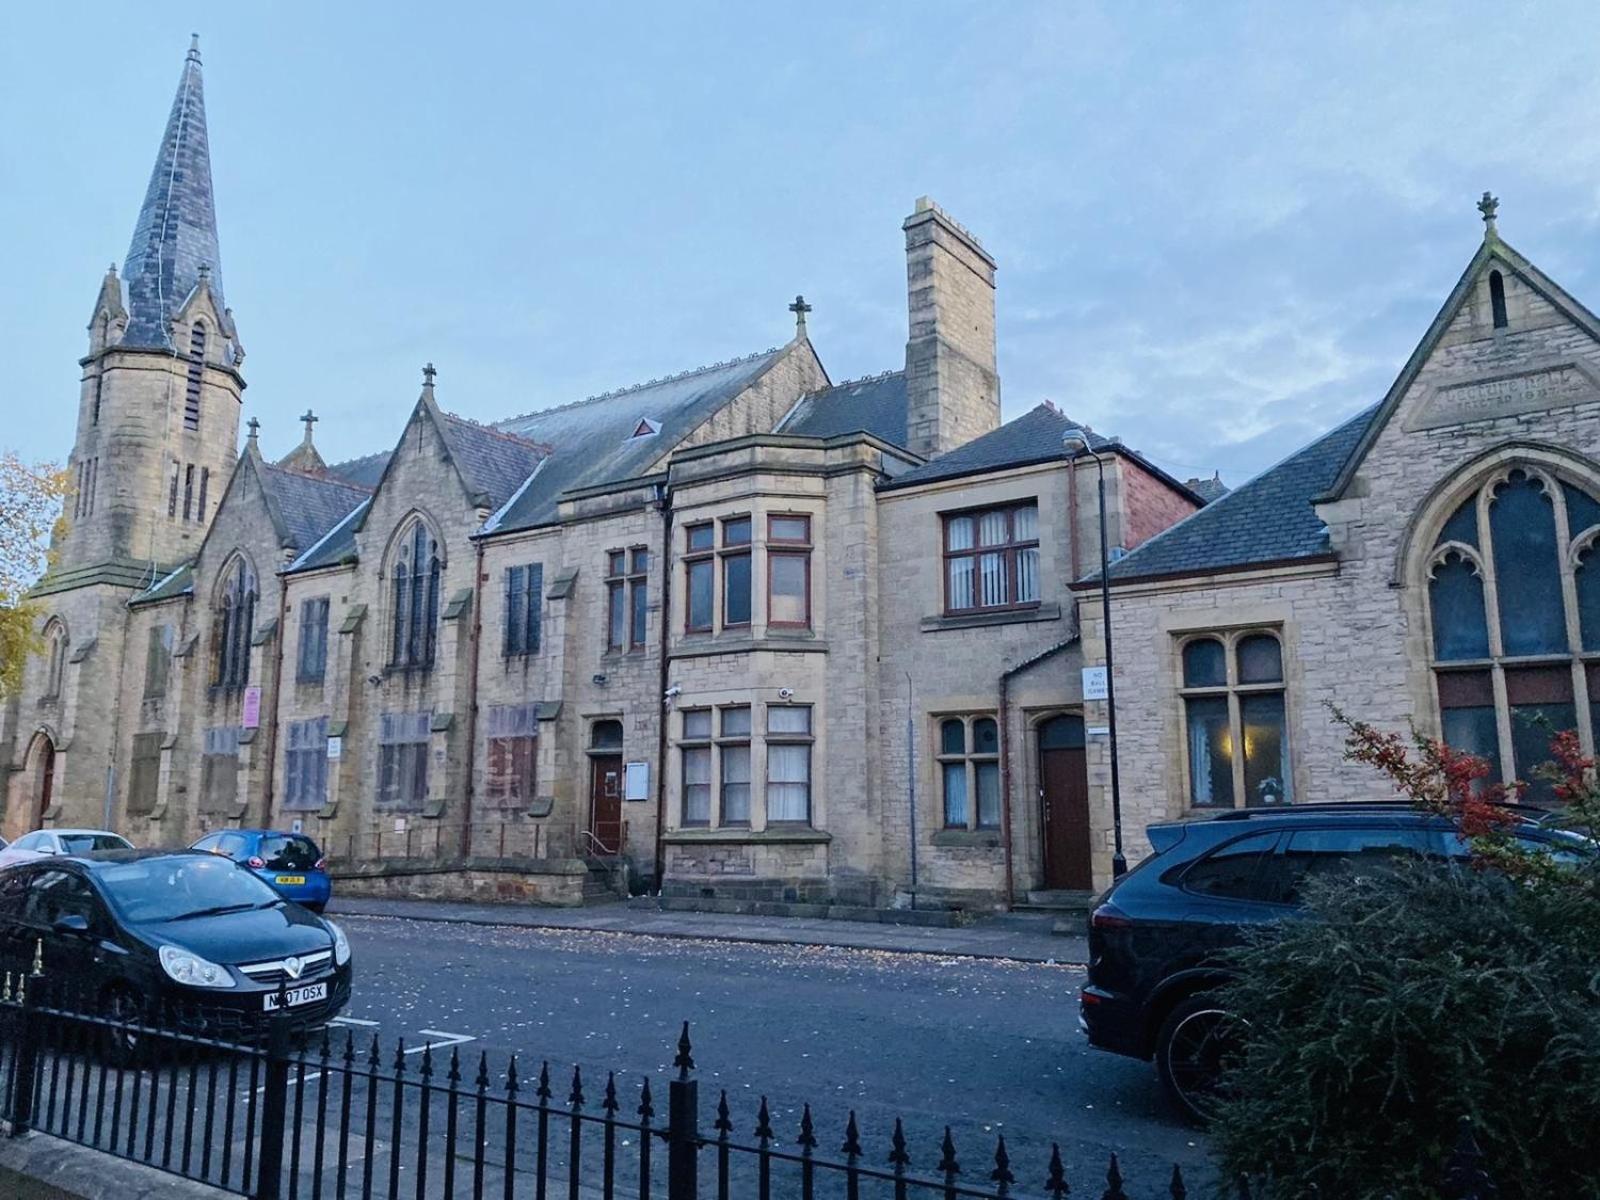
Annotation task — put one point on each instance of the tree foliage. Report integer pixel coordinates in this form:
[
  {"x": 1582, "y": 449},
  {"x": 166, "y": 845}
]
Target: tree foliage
[{"x": 30, "y": 507}]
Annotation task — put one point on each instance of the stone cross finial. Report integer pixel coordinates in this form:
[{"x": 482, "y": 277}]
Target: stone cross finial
[
  {"x": 1489, "y": 206},
  {"x": 310, "y": 418},
  {"x": 799, "y": 308},
  {"x": 428, "y": 372},
  {"x": 253, "y": 426}
]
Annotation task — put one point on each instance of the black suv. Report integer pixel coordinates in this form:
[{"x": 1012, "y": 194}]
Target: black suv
[{"x": 1155, "y": 934}]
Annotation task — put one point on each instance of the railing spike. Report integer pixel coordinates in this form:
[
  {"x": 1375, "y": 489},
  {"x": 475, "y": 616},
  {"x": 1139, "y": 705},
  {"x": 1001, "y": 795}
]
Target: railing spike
[
  {"x": 609, "y": 1104},
  {"x": 685, "y": 1057},
  {"x": 949, "y": 1167},
  {"x": 576, "y": 1098},
  {"x": 808, "y": 1134},
  {"x": 1056, "y": 1184},
  {"x": 898, "y": 1154},
  {"x": 375, "y": 1054},
  {"x": 1464, "y": 1174},
  {"x": 852, "y": 1137},
  {"x": 511, "y": 1078},
  {"x": 400, "y": 1056},
  {"x": 349, "y": 1049},
  {"x": 483, "y": 1070},
  {"x": 455, "y": 1067},
  {"x": 764, "y": 1122},
  {"x": 646, "y": 1109},
  {"x": 427, "y": 1062},
  {"x": 1001, "y": 1176},
  {"x": 543, "y": 1090},
  {"x": 1114, "y": 1182},
  {"x": 1177, "y": 1191}
]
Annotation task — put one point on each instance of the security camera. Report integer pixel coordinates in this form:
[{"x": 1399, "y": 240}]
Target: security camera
[
  {"x": 785, "y": 693},
  {"x": 673, "y": 692}
]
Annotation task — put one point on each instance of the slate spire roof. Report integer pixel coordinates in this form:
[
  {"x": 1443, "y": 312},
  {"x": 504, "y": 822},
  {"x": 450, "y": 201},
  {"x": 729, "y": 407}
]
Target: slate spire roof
[{"x": 177, "y": 228}]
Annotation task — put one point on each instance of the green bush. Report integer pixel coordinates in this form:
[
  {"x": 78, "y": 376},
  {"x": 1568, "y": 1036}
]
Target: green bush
[{"x": 1409, "y": 999}]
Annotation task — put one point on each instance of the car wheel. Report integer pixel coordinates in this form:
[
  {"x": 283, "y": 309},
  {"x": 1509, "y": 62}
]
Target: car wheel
[
  {"x": 123, "y": 1007},
  {"x": 1196, "y": 1042}
]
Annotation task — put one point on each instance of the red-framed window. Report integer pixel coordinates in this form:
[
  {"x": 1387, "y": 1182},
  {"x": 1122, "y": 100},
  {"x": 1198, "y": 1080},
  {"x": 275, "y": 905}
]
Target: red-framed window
[{"x": 991, "y": 559}]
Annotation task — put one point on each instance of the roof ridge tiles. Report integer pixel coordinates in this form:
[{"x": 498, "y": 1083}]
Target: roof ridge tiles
[
  {"x": 637, "y": 387},
  {"x": 504, "y": 434},
  {"x": 329, "y": 478}
]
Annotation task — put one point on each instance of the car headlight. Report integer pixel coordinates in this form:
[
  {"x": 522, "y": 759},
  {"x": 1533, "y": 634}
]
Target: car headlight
[
  {"x": 191, "y": 969},
  {"x": 341, "y": 944}
]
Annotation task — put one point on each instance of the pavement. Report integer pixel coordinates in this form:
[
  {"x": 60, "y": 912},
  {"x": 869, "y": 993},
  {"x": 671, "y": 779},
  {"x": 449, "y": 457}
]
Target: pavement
[
  {"x": 37, "y": 1167},
  {"x": 1017, "y": 937}
]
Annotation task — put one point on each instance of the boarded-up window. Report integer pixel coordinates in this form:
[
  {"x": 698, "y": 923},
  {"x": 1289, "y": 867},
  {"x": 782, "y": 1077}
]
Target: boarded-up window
[
  {"x": 523, "y": 609},
  {"x": 403, "y": 759},
  {"x": 157, "y": 661},
  {"x": 305, "y": 764},
  {"x": 145, "y": 776},
  {"x": 313, "y": 641},
  {"x": 219, "y": 770},
  {"x": 513, "y": 732}
]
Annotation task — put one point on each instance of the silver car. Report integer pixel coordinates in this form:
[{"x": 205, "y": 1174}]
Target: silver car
[{"x": 42, "y": 843}]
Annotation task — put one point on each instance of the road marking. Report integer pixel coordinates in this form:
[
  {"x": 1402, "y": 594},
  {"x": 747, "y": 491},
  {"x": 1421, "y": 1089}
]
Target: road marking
[
  {"x": 444, "y": 1042},
  {"x": 354, "y": 1021}
]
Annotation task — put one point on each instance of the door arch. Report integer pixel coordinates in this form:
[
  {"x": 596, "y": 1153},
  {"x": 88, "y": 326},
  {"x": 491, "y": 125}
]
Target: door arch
[
  {"x": 1064, "y": 804},
  {"x": 605, "y": 789},
  {"x": 36, "y": 787}
]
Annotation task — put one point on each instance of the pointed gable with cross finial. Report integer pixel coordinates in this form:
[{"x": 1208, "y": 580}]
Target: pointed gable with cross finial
[{"x": 304, "y": 458}]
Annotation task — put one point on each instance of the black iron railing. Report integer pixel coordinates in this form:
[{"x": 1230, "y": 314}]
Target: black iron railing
[{"x": 243, "y": 1108}]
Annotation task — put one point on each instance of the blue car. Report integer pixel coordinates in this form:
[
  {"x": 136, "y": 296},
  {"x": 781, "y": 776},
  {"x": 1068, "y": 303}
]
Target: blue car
[{"x": 288, "y": 862}]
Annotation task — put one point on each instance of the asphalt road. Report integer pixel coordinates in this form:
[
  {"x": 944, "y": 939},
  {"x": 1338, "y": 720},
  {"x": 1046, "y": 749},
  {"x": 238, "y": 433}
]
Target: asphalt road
[{"x": 985, "y": 1047}]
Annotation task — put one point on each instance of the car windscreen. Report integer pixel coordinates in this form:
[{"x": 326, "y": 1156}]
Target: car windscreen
[
  {"x": 169, "y": 889},
  {"x": 288, "y": 852},
  {"x": 88, "y": 843}
]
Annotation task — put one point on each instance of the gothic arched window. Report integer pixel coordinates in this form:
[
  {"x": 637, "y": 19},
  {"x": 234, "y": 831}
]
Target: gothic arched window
[
  {"x": 414, "y": 579},
  {"x": 235, "y": 619},
  {"x": 56, "y": 644},
  {"x": 1514, "y": 604}
]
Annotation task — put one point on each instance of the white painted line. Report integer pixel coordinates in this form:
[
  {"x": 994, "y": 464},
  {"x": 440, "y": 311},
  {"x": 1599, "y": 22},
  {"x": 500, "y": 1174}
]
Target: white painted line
[
  {"x": 353, "y": 1021},
  {"x": 445, "y": 1041}
]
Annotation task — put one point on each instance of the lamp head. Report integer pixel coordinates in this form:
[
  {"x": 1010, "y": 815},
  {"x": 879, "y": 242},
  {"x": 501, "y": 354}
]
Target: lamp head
[{"x": 1074, "y": 443}]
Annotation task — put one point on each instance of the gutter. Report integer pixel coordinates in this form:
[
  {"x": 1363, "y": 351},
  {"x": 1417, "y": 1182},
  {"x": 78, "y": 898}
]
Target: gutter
[
  {"x": 472, "y": 698},
  {"x": 665, "y": 502}
]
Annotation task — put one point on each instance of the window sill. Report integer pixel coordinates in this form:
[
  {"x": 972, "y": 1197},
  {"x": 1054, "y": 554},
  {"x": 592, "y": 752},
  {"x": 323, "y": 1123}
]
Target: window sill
[
  {"x": 985, "y": 839},
  {"x": 1004, "y": 616},
  {"x": 796, "y": 835},
  {"x": 704, "y": 645}
]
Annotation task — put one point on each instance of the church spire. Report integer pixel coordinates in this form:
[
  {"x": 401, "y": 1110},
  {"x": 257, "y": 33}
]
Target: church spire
[{"x": 177, "y": 228}]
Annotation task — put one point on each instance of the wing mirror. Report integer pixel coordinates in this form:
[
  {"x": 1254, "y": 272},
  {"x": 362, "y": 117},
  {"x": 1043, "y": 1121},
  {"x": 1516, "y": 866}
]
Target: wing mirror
[{"x": 73, "y": 923}]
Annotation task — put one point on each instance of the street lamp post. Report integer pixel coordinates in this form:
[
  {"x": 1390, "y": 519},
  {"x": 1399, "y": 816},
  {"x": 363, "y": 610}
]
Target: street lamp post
[{"x": 1077, "y": 445}]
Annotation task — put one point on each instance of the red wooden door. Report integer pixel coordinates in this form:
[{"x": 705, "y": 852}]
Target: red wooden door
[
  {"x": 1064, "y": 800},
  {"x": 605, "y": 803}
]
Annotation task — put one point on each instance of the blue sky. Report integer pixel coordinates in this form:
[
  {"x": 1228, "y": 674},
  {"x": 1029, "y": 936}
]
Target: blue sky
[{"x": 1220, "y": 227}]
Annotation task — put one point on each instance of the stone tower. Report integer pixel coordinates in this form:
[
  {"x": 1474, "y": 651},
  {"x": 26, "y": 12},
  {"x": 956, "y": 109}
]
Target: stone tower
[
  {"x": 952, "y": 385},
  {"x": 158, "y": 411}
]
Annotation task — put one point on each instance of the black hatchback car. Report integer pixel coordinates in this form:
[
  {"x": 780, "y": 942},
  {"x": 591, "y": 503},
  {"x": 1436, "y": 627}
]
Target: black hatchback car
[
  {"x": 1155, "y": 935},
  {"x": 194, "y": 931}
]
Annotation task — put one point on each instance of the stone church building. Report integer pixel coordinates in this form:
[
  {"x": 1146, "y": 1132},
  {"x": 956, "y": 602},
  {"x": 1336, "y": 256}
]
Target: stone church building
[
  {"x": 747, "y": 632},
  {"x": 742, "y": 631}
]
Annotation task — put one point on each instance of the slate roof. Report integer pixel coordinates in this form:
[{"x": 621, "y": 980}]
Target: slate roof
[
  {"x": 1267, "y": 520},
  {"x": 176, "y": 583},
  {"x": 309, "y": 505},
  {"x": 1034, "y": 437},
  {"x": 337, "y": 545},
  {"x": 177, "y": 228},
  {"x": 591, "y": 440},
  {"x": 875, "y": 405},
  {"x": 1207, "y": 489},
  {"x": 493, "y": 462},
  {"x": 363, "y": 472}
]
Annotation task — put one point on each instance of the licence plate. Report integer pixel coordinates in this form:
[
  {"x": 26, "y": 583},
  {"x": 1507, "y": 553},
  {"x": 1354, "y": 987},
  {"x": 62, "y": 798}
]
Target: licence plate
[
  {"x": 306, "y": 994},
  {"x": 291, "y": 879}
]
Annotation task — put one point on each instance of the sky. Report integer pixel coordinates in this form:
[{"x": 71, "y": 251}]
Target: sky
[{"x": 1220, "y": 227}]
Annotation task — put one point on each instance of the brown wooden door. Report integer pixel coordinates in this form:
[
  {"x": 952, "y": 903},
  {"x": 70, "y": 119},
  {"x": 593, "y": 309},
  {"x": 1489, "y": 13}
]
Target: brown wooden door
[
  {"x": 1064, "y": 799},
  {"x": 605, "y": 803}
]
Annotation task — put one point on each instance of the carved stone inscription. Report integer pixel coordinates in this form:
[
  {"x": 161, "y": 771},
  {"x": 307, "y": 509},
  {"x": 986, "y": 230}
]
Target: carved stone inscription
[{"x": 1555, "y": 385}]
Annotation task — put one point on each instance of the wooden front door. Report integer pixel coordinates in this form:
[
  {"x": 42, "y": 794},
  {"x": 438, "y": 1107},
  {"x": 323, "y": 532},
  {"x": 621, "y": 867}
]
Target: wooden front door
[
  {"x": 1064, "y": 804},
  {"x": 605, "y": 803}
]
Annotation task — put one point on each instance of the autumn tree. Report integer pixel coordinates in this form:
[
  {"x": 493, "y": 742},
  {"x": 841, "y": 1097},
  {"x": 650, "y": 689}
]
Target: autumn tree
[{"x": 30, "y": 507}]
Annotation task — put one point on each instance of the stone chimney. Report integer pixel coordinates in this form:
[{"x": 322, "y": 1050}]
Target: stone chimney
[{"x": 952, "y": 387}]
